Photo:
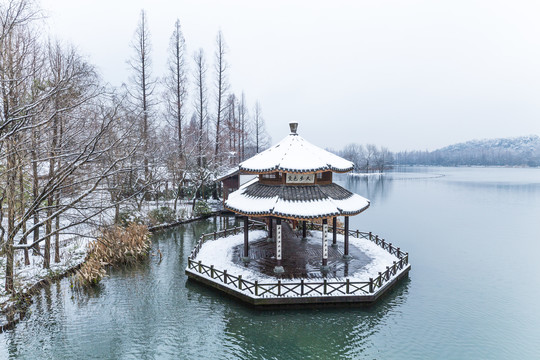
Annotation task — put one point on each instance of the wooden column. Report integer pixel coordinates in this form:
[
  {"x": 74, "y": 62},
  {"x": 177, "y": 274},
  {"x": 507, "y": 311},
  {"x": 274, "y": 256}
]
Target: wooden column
[
  {"x": 270, "y": 229},
  {"x": 278, "y": 269},
  {"x": 245, "y": 258},
  {"x": 324, "y": 246},
  {"x": 346, "y": 255},
  {"x": 334, "y": 232},
  {"x": 304, "y": 230}
]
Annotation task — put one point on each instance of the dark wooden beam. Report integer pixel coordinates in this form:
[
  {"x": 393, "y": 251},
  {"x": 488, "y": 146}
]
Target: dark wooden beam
[
  {"x": 246, "y": 239},
  {"x": 270, "y": 228},
  {"x": 346, "y": 255},
  {"x": 334, "y": 231},
  {"x": 324, "y": 245}
]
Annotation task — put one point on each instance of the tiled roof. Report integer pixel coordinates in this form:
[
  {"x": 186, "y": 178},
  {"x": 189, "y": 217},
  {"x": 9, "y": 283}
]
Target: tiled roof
[
  {"x": 298, "y": 192},
  {"x": 296, "y": 201}
]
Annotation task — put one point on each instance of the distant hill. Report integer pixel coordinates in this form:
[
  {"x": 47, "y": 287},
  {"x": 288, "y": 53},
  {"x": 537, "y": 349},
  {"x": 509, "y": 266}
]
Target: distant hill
[{"x": 517, "y": 151}]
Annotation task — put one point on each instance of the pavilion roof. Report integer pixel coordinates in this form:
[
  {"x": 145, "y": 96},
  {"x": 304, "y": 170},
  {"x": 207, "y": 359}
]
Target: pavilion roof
[
  {"x": 295, "y": 154},
  {"x": 297, "y": 202}
]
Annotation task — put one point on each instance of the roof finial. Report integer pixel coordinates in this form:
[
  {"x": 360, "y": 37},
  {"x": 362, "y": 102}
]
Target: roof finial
[{"x": 294, "y": 127}]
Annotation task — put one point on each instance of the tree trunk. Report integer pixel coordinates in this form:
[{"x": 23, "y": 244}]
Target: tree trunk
[
  {"x": 10, "y": 194},
  {"x": 21, "y": 211},
  {"x": 35, "y": 185},
  {"x": 50, "y": 197}
]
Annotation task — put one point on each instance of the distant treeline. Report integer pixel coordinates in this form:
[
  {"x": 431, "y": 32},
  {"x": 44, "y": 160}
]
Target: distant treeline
[
  {"x": 519, "y": 151},
  {"x": 368, "y": 158}
]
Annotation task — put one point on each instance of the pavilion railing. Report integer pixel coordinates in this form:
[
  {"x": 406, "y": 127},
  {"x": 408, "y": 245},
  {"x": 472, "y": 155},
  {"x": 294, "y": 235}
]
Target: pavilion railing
[
  {"x": 253, "y": 225},
  {"x": 299, "y": 288}
]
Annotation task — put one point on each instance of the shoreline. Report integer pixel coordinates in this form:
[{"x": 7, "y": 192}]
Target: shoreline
[{"x": 17, "y": 305}]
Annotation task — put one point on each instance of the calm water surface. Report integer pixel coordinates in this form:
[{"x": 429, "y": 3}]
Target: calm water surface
[{"x": 473, "y": 239}]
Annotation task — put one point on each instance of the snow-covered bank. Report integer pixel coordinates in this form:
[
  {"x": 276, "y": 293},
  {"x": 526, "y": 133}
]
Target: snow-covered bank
[{"x": 72, "y": 254}]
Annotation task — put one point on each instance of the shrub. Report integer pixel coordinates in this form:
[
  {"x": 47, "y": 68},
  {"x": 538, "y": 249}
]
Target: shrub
[
  {"x": 162, "y": 215},
  {"x": 128, "y": 217},
  {"x": 201, "y": 209},
  {"x": 182, "y": 213}
]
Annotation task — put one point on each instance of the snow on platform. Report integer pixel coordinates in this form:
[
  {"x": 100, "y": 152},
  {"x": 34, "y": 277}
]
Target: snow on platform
[
  {"x": 374, "y": 269},
  {"x": 225, "y": 254}
]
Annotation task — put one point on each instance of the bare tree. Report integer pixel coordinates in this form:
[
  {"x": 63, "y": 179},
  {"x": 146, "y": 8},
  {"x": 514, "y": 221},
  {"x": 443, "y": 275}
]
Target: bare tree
[
  {"x": 262, "y": 140},
  {"x": 221, "y": 86},
  {"x": 175, "y": 95},
  {"x": 369, "y": 156},
  {"x": 200, "y": 101},
  {"x": 142, "y": 85},
  {"x": 242, "y": 118},
  {"x": 383, "y": 159},
  {"x": 176, "y": 82}
]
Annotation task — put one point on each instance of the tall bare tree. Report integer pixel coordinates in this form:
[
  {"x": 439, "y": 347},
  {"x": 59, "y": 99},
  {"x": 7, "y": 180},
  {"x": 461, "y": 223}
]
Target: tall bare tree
[
  {"x": 175, "y": 94},
  {"x": 221, "y": 87},
  {"x": 176, "y": 82},
  {"x": 142, "y": 85},
  {"x": 242, "y": 118},
  {"x": 262, "y": 140},
  {"x": 201, "y": 106}
]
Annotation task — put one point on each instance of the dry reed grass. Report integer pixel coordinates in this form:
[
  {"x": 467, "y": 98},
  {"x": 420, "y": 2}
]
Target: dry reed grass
[{"x": 116, "y": 246}]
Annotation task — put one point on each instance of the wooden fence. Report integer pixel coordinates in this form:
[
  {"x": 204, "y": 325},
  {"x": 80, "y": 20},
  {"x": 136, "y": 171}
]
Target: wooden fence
[{"x": 299, "y": 288}]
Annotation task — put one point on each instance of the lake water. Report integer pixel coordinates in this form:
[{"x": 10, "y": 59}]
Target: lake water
[{"x": 473, "y": 235}]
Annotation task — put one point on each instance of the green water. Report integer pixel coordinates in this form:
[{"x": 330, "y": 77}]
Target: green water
[{"x": 472, "y": 293}]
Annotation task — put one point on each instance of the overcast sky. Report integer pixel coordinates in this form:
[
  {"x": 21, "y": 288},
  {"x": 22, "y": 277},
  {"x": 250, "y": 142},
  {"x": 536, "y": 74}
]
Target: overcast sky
[{"x": 404, "y": 74}]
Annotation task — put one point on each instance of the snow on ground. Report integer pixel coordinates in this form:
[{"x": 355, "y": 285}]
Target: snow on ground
[
  {"x": 72, "y": 253},
  {"x": 73, "y": 246},
  {"x": 220, "y": 252}
]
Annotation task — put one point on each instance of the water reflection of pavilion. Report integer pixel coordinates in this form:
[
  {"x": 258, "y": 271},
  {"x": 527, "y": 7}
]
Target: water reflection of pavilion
[{"x": 298, "y": 333}]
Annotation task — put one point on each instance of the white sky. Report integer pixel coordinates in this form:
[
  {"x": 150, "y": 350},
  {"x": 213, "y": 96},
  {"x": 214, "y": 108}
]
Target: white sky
[{"x": 404, "y": 74}]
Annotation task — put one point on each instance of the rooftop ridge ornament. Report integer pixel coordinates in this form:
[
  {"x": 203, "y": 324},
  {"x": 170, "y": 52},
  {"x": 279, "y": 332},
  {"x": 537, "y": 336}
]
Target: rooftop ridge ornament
[{"x": 293, "y": 126}]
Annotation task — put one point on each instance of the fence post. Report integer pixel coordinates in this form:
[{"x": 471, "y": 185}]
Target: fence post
[
  {"x": 377, "y": 239},
  {"x": 324, "y": 287},
  {"x": 358, "y": 234},
  {"x": 370, "y": 236},
  {"x": 225, "y": 233},
  {"x": 398, "y": 253},
  {"x": 239, "y": 282},
  {"x": 390, "y": 248},
  {"x": 302, "y": 287},
  {"x": 256, "y": 288},
  {"x": 215, "y": 235},
  {"x": 387, "y": 273},
  {"x": 371, "y": 285},
  {"x": 212, "y": 271},
  {"x": 225, "y": 276},
  {"x": 347, "y": 286},
  {"x": 200, "y": 266},
  {"x": 279, "y": 287}
]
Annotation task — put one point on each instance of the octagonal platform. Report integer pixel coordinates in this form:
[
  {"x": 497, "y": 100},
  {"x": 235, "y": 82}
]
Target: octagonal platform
[{"x": 376, "y": 266}]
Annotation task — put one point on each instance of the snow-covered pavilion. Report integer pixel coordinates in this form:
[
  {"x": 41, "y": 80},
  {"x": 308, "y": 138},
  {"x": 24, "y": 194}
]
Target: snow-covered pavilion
[{"x": 295, "y": 182}]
